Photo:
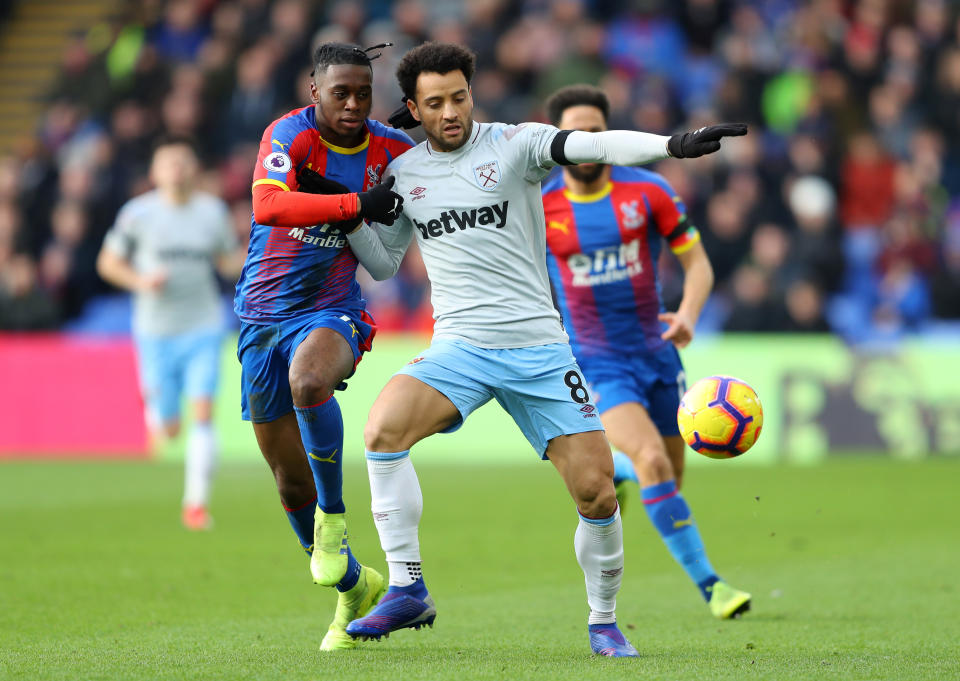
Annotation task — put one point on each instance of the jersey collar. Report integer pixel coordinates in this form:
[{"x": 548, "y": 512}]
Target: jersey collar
[
  {"x": 348, "y": 150},
  {"x": 589, "y": 198}
]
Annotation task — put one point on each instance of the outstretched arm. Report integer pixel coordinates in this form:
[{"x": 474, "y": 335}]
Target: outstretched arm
[{"x": 629, "y": 148}]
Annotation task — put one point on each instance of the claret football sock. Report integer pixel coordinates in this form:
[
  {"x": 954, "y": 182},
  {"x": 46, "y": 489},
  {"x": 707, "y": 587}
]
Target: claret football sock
[
  {"x": 321, "y": 428},
  {"x": 671, "y": 517},
  {"x": 301, "y": 519},
  {"x": 598, "y": 543}
]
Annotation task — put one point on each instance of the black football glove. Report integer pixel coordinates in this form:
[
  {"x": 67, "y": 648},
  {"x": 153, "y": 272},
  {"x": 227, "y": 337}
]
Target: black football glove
[
  {"x": 703, "y": 141},
  {"x": 402, "y": 118},
  {"x": 380, "y": 203},
  {"x": 312, "y": 182}
]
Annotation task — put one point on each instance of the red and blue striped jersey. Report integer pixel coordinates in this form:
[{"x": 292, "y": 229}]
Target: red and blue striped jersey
[
  {"x": 602, "y": 252},
  {"x": 292, "y": 270}
]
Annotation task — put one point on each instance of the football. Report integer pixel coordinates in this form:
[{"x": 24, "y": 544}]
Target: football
[{"x": 720, "y": 417}]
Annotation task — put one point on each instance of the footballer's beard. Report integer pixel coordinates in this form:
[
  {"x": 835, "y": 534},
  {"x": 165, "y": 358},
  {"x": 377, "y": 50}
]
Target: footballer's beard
[
  {"x": 587, "y": 173},
  {"x": 443, "y": 142}
]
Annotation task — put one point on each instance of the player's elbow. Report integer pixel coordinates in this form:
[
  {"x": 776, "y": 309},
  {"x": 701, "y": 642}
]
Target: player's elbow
[
  {"x": 265, "y": 214},
  {"x": 382, "y": 271}
]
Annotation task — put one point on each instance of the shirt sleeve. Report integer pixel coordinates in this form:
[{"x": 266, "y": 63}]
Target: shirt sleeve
[
  {"x": 279, "y": 155},
  {"x": 380, "y": 248},
  {"x": 528, "y": 146},
  {"x": 121, "y": 239},
  {"x": 276, "y": 201},
  {"x": 670, "y": 216}
]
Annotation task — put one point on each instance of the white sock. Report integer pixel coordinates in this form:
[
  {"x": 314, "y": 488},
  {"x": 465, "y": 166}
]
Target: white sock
[
  {"x": 404, "y": 573},
  {"x": 200, "y": 464},
  {"x": 397, "y": 503},
  {"x": 599, "y": 549}
]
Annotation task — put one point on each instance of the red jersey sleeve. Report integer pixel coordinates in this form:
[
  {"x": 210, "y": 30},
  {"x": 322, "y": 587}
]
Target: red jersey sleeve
[
  {"x": 670, "y": 216},
  {"x": 283, "y": 148}
]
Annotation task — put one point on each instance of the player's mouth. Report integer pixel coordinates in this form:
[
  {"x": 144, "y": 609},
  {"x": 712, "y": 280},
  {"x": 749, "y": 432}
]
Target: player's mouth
[
  {"x": 351, "y": 123},
  {"x": 452, "y": 130}
]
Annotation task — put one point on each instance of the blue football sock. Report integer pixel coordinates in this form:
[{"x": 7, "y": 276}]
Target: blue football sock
[
  {"x": 352, "y": 575},
  {"x": 623, "y": 468},
  {"x": 418, "y": 589},
  {"x": 301, "y": 519},
  {"x": 671, "y": 516},
  {"x": 321, "y": 429}
]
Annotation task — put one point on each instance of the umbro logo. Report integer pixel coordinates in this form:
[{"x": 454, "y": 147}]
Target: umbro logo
[
  {"x": 588, "y": 409},
  {"x": 418, "y": 193}
]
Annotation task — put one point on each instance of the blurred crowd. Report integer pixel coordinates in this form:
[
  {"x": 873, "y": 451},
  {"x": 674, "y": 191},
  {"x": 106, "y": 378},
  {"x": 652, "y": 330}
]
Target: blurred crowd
[{"x": 839, "y": 211}]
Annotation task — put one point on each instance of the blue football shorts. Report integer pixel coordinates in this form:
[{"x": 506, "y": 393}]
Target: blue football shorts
[
  {"x": 266, "y": 350},
  {"x": 177, "y": 365},
  {"x": 541, "y": 386},
  {"x": 655, "y": 380}
]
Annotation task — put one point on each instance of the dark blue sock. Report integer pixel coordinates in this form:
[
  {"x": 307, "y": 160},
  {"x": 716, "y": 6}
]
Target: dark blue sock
[
  {"x": 418, "y": 589},
  {"x": 352, "y": 575},
  {"x": 671, "y": 517},
  {"x": 321, "y": 429},
  {"x": 301, "y": 519}
]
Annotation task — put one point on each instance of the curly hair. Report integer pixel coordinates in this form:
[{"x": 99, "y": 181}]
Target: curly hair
[
  {"x": 576, "y": 95},
  {"x": 434, "y": 57}
]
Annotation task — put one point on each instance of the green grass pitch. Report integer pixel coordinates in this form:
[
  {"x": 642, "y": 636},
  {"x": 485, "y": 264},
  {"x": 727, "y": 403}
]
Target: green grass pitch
[{"x": 853, "y": 567}]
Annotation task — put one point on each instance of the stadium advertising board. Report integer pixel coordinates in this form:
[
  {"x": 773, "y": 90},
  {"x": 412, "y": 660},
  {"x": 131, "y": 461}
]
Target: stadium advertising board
[{"x": 80, "y": 397}]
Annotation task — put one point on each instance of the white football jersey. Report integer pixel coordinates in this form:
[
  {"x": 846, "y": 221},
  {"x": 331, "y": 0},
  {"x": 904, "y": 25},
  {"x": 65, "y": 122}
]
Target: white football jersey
[
  {"x": 185, "y": 241},
  {"x": 478, "y": 218}
]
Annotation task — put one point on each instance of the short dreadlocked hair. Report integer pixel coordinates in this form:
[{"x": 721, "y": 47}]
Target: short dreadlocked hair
[
  {"x": 434, "y": 57},
  {"x": 576, "y": 95},
  {"x": 330, "y": 54}
]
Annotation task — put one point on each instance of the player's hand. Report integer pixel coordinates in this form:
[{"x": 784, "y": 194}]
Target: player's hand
[
  {"x": 312, "y": 182},
  {"x": 679, "y": 328},
  {"x": 381, "y": 204},
  {"x": 152, "y": 282},
  {"x": 703, "y": 141},
  {"x": 402, "y": 118}
]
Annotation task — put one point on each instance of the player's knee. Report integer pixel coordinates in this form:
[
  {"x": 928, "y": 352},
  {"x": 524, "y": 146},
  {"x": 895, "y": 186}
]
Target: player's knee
[
  {"x": 308, "y": 389},
  {"x": 652, "y": 464},
  {"x": 294, "y": 489},
  {"x": 170, "y": 429},
  {"x": 380, "y": 435},
  {"x": 595, "y": 494}
]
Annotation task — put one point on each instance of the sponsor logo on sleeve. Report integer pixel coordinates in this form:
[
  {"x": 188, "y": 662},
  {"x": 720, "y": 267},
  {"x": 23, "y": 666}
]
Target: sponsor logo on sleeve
[
  {"x": 487, "y": 175},
  {"x": 278, "y": 162}
]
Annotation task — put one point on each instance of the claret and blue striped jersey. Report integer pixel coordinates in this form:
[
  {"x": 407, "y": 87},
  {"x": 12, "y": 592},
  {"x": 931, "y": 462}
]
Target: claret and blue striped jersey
[
  {"x": 602, "y": 252},
  {"x": 292, "y": 270}
]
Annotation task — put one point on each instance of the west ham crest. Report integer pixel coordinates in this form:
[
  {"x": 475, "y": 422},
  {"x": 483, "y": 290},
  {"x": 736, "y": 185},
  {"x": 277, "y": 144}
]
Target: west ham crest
[{"x": 487, "y": 175}]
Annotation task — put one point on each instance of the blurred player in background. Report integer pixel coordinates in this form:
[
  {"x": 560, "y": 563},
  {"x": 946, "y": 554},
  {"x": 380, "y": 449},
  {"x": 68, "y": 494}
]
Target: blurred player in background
[
  {"x": 304, "y": 325},
  {"x": 477, "y": 215},
  {"x": 166, "y": 248},
  {"x": 604, "y": 229}
]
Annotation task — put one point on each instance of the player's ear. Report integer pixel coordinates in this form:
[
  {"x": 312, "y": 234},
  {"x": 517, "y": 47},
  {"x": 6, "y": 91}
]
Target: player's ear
[
  {"x": 414, "y": 111},
  {"x": 314, "y": 92}
]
